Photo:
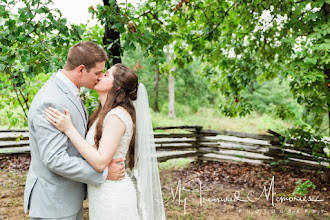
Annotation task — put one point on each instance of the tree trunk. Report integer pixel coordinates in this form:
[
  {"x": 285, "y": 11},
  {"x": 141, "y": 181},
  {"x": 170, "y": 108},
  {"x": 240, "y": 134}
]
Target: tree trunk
[
  {"x": 326, "y": 9},
  {"x": 156, "y": 90},
  {"x": 171, "y": 95},
  {"x": 327, "y": 81},
  {"x": 110, "y": 35},
  {"x": 171, "y": 85}
]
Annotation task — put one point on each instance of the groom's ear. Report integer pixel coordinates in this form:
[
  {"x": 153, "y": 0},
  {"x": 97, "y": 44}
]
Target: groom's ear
[{"x": 81, "y": 68}]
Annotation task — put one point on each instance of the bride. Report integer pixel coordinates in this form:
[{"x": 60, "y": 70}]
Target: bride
[{"x": 119, "y": 128}]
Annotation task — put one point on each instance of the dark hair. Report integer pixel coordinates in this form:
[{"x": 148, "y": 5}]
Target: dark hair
[
  {"x": 85, "y": 53},
  {"x": 123, "y": 92}
]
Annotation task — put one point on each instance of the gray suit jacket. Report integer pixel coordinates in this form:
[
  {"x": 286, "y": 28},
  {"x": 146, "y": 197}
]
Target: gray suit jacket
[{"x": 55, "y": 185}]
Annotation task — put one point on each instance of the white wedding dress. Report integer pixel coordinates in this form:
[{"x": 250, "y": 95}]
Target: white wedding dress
[{"x": 114, "y": 199}]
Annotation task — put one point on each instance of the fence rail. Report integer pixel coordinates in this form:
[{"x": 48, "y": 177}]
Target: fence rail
[{"x": 201, "y": 144}]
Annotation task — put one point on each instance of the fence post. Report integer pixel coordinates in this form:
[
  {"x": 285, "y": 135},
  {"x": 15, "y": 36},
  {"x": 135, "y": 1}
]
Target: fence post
[{"x": 198, "y": 143}]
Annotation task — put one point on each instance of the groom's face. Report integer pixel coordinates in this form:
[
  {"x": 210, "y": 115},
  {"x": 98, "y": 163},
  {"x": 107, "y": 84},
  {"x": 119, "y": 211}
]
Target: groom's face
[{"x": 91, "y": 78}]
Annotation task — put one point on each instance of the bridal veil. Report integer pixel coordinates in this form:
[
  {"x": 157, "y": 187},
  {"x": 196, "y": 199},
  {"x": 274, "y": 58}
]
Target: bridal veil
[{"x": 149, "y": 193}]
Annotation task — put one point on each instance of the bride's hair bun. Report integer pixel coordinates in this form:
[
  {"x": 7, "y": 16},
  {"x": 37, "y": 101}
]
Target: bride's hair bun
[{"x": 133, "y": 94}]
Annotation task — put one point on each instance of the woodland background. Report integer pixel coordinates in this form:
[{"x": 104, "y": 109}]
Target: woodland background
[
  {"x": 235, "y": 65},
  {"x": 232, "y": 65}
]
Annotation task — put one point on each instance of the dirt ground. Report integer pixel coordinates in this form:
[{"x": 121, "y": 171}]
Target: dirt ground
[{"x": 210, "y": 190}]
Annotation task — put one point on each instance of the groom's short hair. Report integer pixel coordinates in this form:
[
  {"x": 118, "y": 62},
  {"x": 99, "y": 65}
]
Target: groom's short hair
[{"x": 85, "y": 53}]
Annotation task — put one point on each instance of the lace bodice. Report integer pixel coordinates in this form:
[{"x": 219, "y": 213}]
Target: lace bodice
[
  {"x": 114, "y": 199},
  {"x": 126, "y": 139}
]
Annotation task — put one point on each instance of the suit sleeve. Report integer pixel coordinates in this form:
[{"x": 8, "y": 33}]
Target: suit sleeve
[{"x": 52, "y": 145}]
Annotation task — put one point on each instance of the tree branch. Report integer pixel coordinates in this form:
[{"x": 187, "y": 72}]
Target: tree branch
[
  {"x": 152, "y": 14},
  {"x": 13, "y": 6},
  {"x": 299, "y": 1},
  {"x": 226, "y": 13},
  {"x": 25, "y": 99},
  {"x": 145, "y": 13},
  {"x": 15, "y": 89},
  {"x": 156, "y": 18}
]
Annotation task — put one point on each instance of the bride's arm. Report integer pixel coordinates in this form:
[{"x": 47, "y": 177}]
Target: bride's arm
[{"x": 112, "y": 133}]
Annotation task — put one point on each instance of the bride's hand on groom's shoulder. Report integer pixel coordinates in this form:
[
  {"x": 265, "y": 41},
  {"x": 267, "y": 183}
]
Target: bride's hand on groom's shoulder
[{"x": 61, "y": 121}]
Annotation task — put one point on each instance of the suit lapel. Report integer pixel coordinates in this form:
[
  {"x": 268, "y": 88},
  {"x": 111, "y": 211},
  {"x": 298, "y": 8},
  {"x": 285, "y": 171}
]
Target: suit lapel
[
  {"x": 84, "y": 108},
  {"x": 79, "y": 106},
  {"x": 71, "y": 97}
]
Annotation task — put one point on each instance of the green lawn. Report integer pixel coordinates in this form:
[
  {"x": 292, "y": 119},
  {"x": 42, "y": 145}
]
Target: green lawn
[
  {"x": 207, "y": 117},
  {"x": 211, "y": 119}
]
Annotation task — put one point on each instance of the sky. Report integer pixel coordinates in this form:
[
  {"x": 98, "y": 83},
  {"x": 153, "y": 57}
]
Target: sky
[{"x": 76, "y": 11}]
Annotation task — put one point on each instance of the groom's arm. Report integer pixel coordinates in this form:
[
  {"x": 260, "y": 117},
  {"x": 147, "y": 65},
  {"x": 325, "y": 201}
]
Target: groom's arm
[{"x": 53, "y": 144}]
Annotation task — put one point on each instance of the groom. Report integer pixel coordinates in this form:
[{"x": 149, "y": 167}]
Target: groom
[{"x": 56, "y": 183}]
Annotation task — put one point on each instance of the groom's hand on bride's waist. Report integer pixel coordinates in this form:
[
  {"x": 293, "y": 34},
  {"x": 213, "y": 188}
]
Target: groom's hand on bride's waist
[{"x": 116, "y": 169}]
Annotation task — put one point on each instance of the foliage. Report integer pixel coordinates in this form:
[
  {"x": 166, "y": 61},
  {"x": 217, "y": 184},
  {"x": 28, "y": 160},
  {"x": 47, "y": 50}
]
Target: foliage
[
  {"x": 137, "y": 31},
  {"x": 190, "y": 89},
  {"x": 241, "y": 49},
  {"x": 243, "y": 42},
  {"x": 33, "y": 41},
  {"x": 246, "y": 43},
  {"x": 175, "y": 164},
  {"x": 272, "y": 96},
  {"x": 136, "y": 26},
  {"x": 302, "y": 188},
  {"x": 14, "y": 114},
  {"x": 146, "y": 68},
  {"x": 304, "y": 138}
]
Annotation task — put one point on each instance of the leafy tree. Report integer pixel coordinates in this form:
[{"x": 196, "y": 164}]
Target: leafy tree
[
  {"x": 271, "y": 97},
  {"x": 240, "y": 43},
  {"x": 34, "y": 41},
  {"x": 190, "y": 89},
  {"x": 244, "y": 42}
]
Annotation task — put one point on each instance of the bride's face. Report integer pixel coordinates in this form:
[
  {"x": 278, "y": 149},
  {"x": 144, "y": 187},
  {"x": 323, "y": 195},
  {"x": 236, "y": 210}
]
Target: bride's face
[{"x": 106, "y": 82}]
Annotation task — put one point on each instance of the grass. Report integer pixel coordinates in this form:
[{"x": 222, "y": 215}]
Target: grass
[
  {"x": 175, "y": 164},
  {"x": 207, "y": 117},
  {"x": 211, "y": 119}
]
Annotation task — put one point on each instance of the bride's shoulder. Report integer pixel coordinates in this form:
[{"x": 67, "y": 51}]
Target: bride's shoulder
[
  {"x": 121, "y": 112},
  {"x": 118, "y": 109}
]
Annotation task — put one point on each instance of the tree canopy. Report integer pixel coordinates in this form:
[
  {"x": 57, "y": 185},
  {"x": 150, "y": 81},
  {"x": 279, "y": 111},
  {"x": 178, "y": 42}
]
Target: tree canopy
[{"x": 239, "y": 46}]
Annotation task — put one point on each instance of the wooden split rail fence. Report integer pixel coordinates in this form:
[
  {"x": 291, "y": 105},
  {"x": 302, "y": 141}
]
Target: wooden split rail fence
[{"x": 201, "y": 144}]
